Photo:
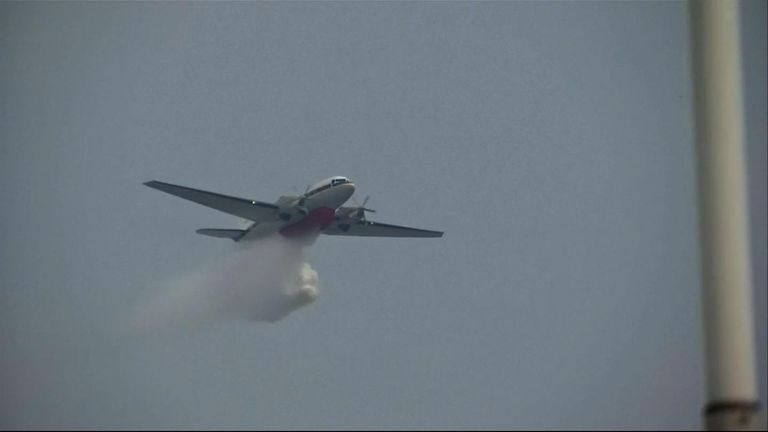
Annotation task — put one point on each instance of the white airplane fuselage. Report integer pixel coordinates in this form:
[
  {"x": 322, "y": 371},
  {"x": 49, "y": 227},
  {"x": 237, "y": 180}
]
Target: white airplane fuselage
[{"x": 305, "y": 216}]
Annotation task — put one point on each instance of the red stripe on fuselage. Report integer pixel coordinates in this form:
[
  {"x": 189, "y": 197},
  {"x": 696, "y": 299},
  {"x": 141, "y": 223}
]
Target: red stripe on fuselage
[{"x": 316, "y": 220}]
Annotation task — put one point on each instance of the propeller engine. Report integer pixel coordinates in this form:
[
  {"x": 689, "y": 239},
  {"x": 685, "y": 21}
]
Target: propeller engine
[
  {"x": 359, "y": 211},
  {"x": 302, "y": 200}
]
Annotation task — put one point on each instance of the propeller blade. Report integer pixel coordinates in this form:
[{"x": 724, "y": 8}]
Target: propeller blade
[
  {"x": 303, "y": 197},
  {"x": 360, "y": 209}
]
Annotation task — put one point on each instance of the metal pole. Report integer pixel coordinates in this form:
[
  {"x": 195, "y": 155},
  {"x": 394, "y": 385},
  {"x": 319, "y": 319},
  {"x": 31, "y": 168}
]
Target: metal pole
[{"x": 725, "y": 270}]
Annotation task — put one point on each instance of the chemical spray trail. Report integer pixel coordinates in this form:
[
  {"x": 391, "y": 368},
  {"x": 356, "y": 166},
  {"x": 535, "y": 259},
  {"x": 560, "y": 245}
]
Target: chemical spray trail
[{"x": 263, "y": 280}]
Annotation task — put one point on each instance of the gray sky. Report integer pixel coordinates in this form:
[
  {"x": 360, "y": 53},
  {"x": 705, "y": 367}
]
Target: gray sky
[{"x": 551, "y": 141}]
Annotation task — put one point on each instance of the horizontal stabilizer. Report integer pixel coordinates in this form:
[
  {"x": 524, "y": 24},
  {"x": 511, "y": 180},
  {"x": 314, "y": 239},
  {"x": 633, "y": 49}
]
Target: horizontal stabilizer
[{"x": 234, "y": 234}]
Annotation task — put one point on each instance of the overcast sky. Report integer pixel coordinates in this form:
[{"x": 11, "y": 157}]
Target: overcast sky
[{"x": 552, "y": 142}]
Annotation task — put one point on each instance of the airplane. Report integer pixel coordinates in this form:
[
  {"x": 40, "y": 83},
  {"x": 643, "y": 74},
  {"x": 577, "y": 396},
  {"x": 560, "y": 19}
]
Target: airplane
[{"x": 319, "y": 210}]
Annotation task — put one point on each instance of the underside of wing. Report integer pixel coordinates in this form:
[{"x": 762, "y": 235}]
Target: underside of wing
[
  {"x": 234, "y": 234},
  {"x": 249, "y": 209},
  {"x": 377, "y": 229}
]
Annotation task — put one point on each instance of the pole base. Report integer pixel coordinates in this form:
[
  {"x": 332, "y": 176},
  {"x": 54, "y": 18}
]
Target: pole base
[{"x": 732, "y": 416}]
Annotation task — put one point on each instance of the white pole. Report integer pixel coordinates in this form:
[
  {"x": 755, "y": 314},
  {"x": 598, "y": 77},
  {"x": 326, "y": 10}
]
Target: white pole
[{"x": 725, "y": 266}]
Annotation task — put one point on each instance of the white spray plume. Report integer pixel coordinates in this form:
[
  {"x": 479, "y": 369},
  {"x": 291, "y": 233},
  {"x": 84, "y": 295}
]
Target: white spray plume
[{"x": 264, "y": 280}]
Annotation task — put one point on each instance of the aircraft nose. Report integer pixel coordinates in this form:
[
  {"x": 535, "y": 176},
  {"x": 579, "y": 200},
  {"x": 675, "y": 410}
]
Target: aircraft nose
[{"x": 351, "y": 189}]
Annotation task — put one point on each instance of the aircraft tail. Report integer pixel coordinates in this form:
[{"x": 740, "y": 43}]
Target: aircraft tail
[{"x": 234, "y": 234}]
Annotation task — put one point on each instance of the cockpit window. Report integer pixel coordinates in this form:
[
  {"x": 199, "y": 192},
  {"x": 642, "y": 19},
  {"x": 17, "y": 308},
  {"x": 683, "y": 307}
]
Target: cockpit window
[{"x": 334, "y": 182}]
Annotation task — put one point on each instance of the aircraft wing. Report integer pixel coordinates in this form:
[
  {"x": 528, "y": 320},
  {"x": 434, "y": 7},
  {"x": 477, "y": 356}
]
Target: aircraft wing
[
  {"x": 249, "y": 209},
  {"x": 377, "y": 229},
  {"x": 234, "y": 234}
]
